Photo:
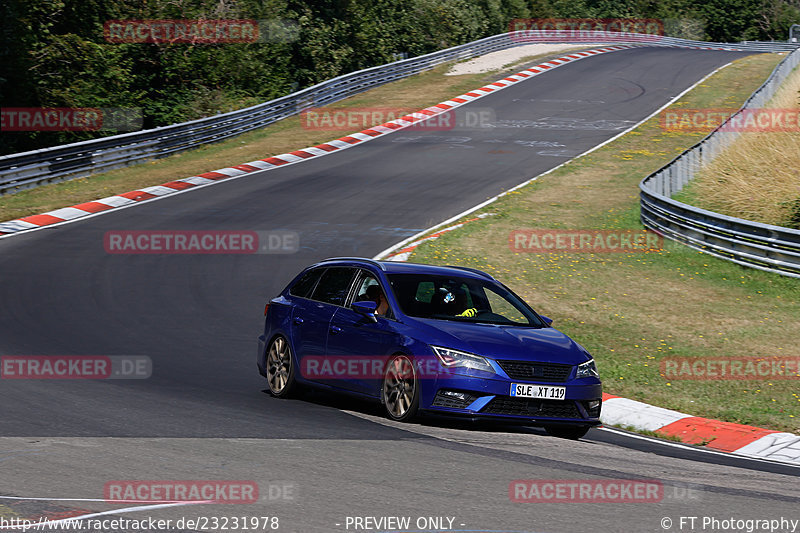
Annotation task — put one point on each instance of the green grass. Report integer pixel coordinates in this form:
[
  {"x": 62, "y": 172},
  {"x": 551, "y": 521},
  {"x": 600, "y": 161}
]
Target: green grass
[
  {"x": 413, "y": 93},
  {"x": 634, "y": 310},
  {"x": 630, "y": 310},
  {"x": 755, "y": 178}
]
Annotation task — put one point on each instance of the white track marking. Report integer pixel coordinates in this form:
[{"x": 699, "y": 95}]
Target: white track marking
[
  {"x": 694, "y": 448},
  {"x": 50, "y": 524},
  {"x": 14, "y": 224},
  {"x": 481, "y": 205}
]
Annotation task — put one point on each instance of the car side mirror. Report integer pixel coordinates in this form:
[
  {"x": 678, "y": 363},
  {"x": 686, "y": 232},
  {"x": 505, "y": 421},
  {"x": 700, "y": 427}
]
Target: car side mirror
[
  {"x": 366, "y": 308},
  {"x": 548, "y": 321}
]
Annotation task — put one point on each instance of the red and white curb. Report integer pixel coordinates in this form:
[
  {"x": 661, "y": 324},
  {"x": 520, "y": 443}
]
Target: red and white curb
[
  {"x": 405, "y": 252},
  {"x": 722, "y": 436},
  {"x": 737, "y": 439},
  {"x": 68, "y": 214}
]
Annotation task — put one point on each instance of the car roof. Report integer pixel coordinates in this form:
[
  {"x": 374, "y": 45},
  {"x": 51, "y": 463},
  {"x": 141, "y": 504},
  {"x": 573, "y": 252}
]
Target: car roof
[{"x": 396, "y": 267}]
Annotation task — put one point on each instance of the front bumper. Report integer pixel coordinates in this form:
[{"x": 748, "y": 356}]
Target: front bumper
[{"x": 482, "y": 398}]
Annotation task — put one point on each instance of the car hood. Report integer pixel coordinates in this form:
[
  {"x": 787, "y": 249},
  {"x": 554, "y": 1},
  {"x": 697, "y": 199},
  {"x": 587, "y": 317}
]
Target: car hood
[{"x": 505, "y": 342}]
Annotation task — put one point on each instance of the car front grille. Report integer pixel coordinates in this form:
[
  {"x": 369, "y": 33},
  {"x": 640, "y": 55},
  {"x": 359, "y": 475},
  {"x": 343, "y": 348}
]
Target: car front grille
[
  {"x": 553, "y": 372},
  {"x": 506, "y": 405}
]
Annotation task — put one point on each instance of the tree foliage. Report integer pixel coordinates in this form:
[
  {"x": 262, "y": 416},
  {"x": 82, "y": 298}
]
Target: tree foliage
[{"x": 54, "y": 53}]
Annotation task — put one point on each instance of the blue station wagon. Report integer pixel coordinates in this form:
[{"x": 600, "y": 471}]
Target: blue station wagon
[{"x": 423, "y": 339}]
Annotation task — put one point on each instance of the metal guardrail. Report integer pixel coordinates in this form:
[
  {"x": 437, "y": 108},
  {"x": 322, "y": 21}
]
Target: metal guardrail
[
  {"x": 752, "y": 244},
  {"x": 30, "y": 169}
]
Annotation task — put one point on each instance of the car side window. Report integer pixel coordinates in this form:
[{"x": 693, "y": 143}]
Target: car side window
[
  {"x": 334, "y": 285},
  {"x": 306, "y": 283},
  {"x": 369, "y": 288},
  {"x": 364, "y": 285}
]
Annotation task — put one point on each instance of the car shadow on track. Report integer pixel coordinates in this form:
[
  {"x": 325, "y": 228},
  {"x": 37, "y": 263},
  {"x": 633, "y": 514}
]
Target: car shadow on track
[{"x": 343, "y": 402}]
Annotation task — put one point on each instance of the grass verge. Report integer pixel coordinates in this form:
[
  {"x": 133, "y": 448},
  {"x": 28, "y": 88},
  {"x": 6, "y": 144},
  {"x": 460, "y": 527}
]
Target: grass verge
[
  {"x": 634, "y": 311},
  {"x": 756, "y": 178},
  {"x": 631, "y": 311}
]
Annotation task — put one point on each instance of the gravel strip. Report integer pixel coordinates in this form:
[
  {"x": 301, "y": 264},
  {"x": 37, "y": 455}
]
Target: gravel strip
[{"x": 501, "y": 58}]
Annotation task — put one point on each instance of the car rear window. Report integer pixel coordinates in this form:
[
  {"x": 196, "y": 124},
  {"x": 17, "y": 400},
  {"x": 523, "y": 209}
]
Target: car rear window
[
  {"x": 306, "y": 283},
  {"x": 333, "y": 285}
]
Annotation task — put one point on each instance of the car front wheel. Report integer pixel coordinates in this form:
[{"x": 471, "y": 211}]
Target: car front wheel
[
  {"x": 280, "y": 368},
  {"x": 400, "y": 390}
]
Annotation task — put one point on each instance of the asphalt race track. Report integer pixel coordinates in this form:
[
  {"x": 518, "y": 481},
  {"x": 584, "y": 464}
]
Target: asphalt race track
[{"x": 203, "y": 414}]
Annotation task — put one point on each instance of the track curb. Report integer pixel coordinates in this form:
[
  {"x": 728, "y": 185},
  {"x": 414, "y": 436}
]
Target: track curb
[
  {"x": 721, "y": 436},
  {"x": 103, "y": 205},
  {"x": 737, "y": 439},
  {"x": 728, "y": 437}
]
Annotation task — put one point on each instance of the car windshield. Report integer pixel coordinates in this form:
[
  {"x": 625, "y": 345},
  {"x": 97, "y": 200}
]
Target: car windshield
[{"x": 461, "y": 299}]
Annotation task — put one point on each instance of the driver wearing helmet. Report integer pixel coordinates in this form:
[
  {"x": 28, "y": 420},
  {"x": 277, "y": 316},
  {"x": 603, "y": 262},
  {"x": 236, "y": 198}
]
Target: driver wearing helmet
[{"x": 454, "y": 302}]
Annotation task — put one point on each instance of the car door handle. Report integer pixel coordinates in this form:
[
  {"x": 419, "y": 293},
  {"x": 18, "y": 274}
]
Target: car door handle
[
  {"x": 336, "y": 329},
  {"x": 298, "y": 320}
]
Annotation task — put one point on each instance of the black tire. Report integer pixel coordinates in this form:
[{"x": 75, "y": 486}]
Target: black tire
[
  {"x": 280, "y": 368},
  {"x": 400, "y": 389},
  {"x": 567, "y": 432}
]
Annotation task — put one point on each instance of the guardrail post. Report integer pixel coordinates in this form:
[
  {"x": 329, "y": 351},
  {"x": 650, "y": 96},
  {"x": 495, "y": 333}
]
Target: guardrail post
[{"x": 693, "y": 166}]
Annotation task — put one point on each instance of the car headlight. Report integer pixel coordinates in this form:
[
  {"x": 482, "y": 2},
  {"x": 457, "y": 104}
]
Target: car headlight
[
  {"x": 587, "y": 370},
  {"x": 453, "y": 358}
]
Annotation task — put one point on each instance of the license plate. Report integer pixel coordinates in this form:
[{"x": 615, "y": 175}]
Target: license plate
[{"x": 544, "y": 392}]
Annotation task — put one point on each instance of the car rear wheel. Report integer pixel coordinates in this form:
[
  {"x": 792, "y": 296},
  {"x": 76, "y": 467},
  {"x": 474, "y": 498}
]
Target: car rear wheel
[
  {"x": 567, "y": 432},
  {"x": 400, "y": 390},
  {"x": 280, "y": 368}
]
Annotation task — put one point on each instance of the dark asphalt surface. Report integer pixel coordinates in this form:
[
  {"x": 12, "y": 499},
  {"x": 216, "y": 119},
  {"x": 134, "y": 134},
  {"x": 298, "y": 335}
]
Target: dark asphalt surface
[{"x": 197, "y": 316}]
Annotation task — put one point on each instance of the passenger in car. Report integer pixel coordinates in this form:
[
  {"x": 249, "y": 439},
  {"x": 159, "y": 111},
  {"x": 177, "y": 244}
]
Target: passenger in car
[{"x": 375, "y": 294}]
